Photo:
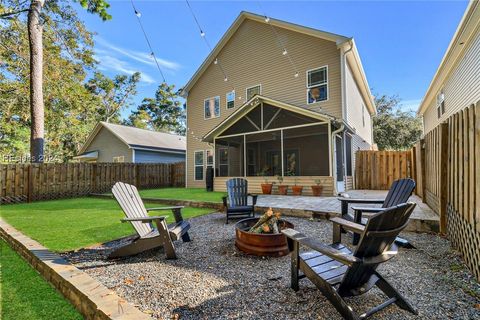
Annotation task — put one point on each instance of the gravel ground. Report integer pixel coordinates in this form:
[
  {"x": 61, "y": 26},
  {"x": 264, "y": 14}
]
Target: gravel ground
[{"x": 213, "y": 280}]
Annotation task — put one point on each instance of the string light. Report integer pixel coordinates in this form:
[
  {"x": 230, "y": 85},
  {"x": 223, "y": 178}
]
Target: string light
[
  {"x": 152, "y": 54},
  {"x": 274, "y": 30},
  {"x": 203, "y": 35}
]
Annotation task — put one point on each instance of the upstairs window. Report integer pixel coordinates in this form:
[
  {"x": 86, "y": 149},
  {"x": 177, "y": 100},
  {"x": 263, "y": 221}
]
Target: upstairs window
[
  {"x": 231, "y": 99},
  {"x": 253, "y": 91},
  {"x": 440, "y": 104},
  {"x": 317, "y": 85},
  {"x": 212, "y": 107}
]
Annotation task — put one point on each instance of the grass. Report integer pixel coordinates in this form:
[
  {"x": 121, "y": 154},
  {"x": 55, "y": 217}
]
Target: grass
[
  {"x": 198, "y": 194},
  {"x": 24, "y": 294},
  {"x": 63, "y": 225}
]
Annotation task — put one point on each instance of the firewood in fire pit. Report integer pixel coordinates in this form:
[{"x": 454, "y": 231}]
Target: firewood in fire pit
[{"x": 268, "y": 223}]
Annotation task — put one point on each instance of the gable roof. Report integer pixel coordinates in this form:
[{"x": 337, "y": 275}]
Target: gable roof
[
  {"x": 466, "y": 30},
  {"x": 139, "y": 138},
  {"x": 338, "y": 39},
  {"x": 251, "y": 104}
]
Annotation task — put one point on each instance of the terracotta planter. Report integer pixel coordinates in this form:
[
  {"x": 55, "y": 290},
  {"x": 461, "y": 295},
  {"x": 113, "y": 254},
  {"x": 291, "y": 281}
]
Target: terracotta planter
[
  {"x": 282, "y": 189},
  {"x": 317, "y": 190},
  {"x": 267, "y": 188},
  {"x": 297, "y": 190}
]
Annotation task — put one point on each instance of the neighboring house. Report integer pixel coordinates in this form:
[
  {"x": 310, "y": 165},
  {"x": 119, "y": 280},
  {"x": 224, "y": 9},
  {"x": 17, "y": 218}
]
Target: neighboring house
[
  {"x": 116, "y": 143},
  {"x": 300, "y": 114},
  {"x": 456, "y": 84}
]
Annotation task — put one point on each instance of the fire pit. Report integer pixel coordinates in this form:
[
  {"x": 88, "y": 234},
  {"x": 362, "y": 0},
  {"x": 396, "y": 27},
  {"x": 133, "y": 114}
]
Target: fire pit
[{"x": 261, "y": 244}]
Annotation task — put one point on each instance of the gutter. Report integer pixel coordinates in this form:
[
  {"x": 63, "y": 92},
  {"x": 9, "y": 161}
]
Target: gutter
[{"x": 334, "y": 133}]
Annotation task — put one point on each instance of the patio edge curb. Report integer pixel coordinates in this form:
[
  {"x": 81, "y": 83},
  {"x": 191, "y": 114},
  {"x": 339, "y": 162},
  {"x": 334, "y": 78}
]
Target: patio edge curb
[{"x": 92, "y": 299}]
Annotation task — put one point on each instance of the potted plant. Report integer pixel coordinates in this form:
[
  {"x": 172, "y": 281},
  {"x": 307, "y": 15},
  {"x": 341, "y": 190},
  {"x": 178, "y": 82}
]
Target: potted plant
[
  {"x": 317, "y": 188},
  {"x": 282, "y": 188},
  {"x": 297, "y": 190},
  {"x": 266, "y": 186}
]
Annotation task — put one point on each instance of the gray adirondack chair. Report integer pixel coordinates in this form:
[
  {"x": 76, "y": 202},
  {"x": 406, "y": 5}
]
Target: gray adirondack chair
[
  {"x": 339, "y": 273},
  {"x": 148, "y": 237},
  {"x": 399, "y": 192},
  {"x": 237, "y": 204}
]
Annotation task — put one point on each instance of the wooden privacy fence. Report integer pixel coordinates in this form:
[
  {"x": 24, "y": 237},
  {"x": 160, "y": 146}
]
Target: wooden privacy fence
[
  {"x": 376, "y": 170},
  {"x": 31, "y": 182},
  {"x": 463, "y": 189}
]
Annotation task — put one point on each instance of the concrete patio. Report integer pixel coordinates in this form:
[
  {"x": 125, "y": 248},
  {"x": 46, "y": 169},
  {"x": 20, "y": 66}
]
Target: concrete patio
[{"x": 423, "y": 219}]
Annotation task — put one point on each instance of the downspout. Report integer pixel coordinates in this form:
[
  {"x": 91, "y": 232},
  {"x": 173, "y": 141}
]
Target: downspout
[
  {"x": 333, "y": 136},
  {"x": 343, "y": 66}
]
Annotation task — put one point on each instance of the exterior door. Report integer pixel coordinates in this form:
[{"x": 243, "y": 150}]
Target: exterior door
[{"x": 339, "y": 164}]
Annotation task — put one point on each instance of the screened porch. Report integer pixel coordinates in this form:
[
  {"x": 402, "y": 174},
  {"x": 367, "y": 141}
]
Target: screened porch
[{"x": 268, "y": 141}]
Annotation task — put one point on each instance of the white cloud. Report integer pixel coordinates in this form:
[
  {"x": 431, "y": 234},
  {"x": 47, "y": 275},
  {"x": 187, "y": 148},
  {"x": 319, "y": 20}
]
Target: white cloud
[
  {"x": 138, "y": 56},
  {"x": 108, "y": 62}
]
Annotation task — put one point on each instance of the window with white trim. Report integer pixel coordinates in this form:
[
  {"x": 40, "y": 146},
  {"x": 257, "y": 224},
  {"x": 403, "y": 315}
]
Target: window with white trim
[
  {"x": 440, "y": 103},
  {"x": 198, "y": 158},
  {"x": 119, "y": 159},
  {"x": 230, "y": 99},
  {"x": 317, "y": 85},
  {"x": 250, "y": 92},
  {"x": 212, "y": 107}
]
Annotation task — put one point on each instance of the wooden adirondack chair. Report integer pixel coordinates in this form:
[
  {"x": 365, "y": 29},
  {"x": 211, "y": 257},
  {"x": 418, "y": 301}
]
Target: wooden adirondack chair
[
  {"x": 338, "y": 273},
  {"x": 237, "y": 204},
  {"x": 148, "y": 237},
  {"x": 399, "y": 192}
]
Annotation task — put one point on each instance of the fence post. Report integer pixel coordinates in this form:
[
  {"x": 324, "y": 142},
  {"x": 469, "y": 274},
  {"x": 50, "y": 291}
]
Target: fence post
[
  {"x": 422, "y": 169},
  {"x": 443, "y": 187},
  {"x": 137, "y": 178},
  {"x": 30, "y": 183},
  {"x": 172, "y": 174}
]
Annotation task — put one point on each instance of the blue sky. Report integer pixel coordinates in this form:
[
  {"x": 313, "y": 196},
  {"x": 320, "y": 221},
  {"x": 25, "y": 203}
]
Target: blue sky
[{"x": 401, "y": 43}]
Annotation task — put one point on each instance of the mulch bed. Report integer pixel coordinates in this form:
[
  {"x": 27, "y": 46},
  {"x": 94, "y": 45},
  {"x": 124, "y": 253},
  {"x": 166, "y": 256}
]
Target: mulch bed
[{"x": 213, "y": 280}]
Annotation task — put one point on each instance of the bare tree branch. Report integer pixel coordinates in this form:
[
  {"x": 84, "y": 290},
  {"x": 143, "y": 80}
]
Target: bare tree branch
[{"x": 7, "y": 15}]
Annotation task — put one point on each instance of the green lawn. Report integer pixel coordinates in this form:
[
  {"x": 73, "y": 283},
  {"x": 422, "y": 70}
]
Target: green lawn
[
  {"x": 199, "y": 194},
  {"x": 69, "y": 224},
  {"x": 24, "y": 294}
]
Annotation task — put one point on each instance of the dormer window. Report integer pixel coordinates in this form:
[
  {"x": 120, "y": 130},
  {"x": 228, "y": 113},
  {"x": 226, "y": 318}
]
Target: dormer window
[
  {"x": 440, "y": 104},
  {"x": 317, "y": 85}
]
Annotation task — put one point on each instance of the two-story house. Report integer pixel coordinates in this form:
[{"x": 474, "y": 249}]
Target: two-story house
[
  {"x": 278, "y": 99},
  {"x": 456, "y": 83}
]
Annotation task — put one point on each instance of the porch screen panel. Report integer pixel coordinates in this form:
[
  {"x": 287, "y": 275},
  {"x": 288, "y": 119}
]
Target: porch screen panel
[
  {"x": 306, "y": 151},
  {"x": 229, "y": 157},
  {"x": 264, "y": 154},
  {"x": 249, "y": 123},
  {"x": 274, "y": 118}
]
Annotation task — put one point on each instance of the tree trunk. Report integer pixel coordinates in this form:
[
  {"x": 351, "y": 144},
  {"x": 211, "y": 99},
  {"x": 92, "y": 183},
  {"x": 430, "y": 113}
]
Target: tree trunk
[{"x": 35, "y": 30}]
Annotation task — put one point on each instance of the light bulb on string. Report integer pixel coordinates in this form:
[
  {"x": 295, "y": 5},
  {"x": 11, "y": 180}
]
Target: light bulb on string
[
  {"x": 284, "y": 52},
  {"x": 215, "y": 61},
  {"x": 202, "y": 33},
  {"x": 138, "y": 14},
  {"x": 225, "y": 79},
  {"x": 296, "y": 75},
  {"x": 267, "y": 19}
]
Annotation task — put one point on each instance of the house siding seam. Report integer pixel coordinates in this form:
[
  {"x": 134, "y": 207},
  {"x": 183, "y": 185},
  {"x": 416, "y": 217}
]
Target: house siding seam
[
  {"x": 253, "y": 56},
  {"x": 461, "y": 87},
  {"x": 109, "y": 146}
]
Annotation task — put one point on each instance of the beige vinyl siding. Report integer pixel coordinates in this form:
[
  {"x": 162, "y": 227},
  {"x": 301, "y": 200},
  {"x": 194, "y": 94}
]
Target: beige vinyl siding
[
  {"x": 251, "y": 57},
  {"x": 109, "y": 146},
  {"x": 461, "y": 88},
  {"x": 355, "y": 104}
]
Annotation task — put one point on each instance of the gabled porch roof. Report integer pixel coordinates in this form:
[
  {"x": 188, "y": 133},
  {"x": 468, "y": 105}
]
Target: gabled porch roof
[{"x": 254, "y": 102}]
